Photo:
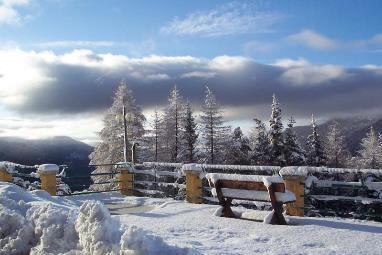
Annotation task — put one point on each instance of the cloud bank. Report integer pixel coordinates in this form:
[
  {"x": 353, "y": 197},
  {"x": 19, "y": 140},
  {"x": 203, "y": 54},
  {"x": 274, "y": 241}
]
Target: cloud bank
[{"x": 82, "y": 81}]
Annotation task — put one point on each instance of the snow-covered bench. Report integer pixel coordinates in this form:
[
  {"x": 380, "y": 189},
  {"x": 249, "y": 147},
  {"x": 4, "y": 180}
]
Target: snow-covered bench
[{"x": 227, "y": 187}]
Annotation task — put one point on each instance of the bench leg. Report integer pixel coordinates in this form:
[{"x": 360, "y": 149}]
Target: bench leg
[
  {"x": 278, "y": 217},
  {"x": 227, "y": 211}
]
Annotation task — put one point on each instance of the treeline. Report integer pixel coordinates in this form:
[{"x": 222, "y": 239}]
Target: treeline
[{"x": 174, "y": 135}]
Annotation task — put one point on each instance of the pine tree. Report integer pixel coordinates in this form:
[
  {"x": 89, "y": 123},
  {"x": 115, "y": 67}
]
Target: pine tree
[
  {"x": 189, "y": 136},
  {"x": 156, "y": 133},
  {"x": 213, "y": 130},
  {"x": 294, "y": 154},
  {"x": 111, "y": 147},
  {"x": 335, "y": 151},
  {"x": 276, "y": 145},
  {"x": 315, "y": 152},
  {"x": 260, "y": 144},
  {"x": 173, "y": 117},
  {"x": 238, "y": 149},
  {"x": 370, "y": 152}
]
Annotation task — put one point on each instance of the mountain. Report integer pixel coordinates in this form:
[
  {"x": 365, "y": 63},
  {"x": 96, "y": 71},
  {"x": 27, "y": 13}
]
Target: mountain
[
  {"x": 353, "y": 129},
  {"x": 60, "y": 150}
]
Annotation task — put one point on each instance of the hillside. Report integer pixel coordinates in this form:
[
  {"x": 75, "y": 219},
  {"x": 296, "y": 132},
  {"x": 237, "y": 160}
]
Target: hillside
[
  {"x": 59, "y": 150},
  {"x": 353, "y": 130}
]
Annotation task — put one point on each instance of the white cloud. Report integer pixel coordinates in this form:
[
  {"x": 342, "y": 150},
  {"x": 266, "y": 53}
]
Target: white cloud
[
  {"x": 229, "y": 19},
  {"x": 257, "y": 46},
  {"x": 309, "y": 75},
  {"x": 287, "y": 62},
  {"x": 75, "y": 44},
  {"x": 229, "y": 63},
  {"x": 81, "y": 126},
  {"x": 377, "y": 39},
  {"x": 313, "y": 39},
  {"x": 133, "y": 48},
  {"x": 198, "y": 74},
  {"x": 9, "y": 11}
]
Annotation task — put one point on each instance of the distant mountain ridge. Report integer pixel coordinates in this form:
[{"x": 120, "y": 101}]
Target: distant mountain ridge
[
  {"x": 353, "y": 130},
  {"x": 61, "y": 150}
]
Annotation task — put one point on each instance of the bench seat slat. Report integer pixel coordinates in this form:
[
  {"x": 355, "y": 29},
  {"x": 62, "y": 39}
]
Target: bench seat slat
[
  {"x": 285, "y": 197},
  {"x": 250, "y": 185}
]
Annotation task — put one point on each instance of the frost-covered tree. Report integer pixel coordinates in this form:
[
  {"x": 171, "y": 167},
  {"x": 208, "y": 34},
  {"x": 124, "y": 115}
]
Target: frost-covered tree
[
  {"x": 315, "y": 151},
  {"x": 238, "y": 149},
  {"x": 173, "y": 117},
  {"x": 370, "y": 152},
  {"x": 189, "y": 136},
  {"x": 335, "y": 151},
  {"x": 294, "y": 154},
  {"x": 111, "y": 147},
  {"x": 213, "y": 130},
  {"x": 260, "y": 144},
  {"x": 276, "y": 144},
  {"x": 156, "y": 133}
]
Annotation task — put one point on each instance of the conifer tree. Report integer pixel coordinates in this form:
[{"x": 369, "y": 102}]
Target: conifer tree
[
  {"x": 294, "y": 154},
  {"x": 173, "y": 117},
  {"x": 315, "y": 152},
  {"x": 213, "y": 130},
  {"x": 189, "y": 136},
  {"x": 238, "y": 149},
  {"x": 276, "y": 145},
  {"x": 111, "y": 147},
  {"x": 335, "y": 151},
  {"x": 370, "y": 152},
  {"x": 260, "y": 143},
  {"x": 156, "y": 133}
]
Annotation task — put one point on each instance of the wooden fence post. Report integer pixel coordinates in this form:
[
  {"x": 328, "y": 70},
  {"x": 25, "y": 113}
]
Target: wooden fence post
[
  {"x": 48, "y": 179},
  {"x": 126, "y": 178},
  {"x": 194, "y": 188},
  {"x": 295, "y": 184},
  {"x": 5, "y": 176}
]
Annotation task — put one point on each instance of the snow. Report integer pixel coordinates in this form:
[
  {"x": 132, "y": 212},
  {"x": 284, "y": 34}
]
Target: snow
[
  {"x": 267, "y": 180},
  {"x": 125, "y": 166},
  {"x": 284, "y": 197},
  {"x": 306, "y": 170},
  {"x": 37, "y": 223},
  {"x": 48, "y": 168},
  {"x": 74, "y": 225},
  {"x": 241, "y": 167},
  {"x": 8, "y": 166},
  {"x": 192, "y": 167},
  {"x": 267, "y": 219}
]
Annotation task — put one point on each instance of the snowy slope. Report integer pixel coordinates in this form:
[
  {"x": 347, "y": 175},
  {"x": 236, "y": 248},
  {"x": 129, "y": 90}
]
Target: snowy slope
[{"x": 53, "y": 225}]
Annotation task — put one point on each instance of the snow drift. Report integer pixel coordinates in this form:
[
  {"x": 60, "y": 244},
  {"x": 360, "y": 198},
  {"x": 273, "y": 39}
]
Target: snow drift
[{"x": 33, "y": 222}]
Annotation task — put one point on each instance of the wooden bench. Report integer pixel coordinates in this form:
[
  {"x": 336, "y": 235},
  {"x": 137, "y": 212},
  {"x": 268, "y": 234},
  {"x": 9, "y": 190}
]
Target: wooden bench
[{"x": 227, "y": 187}]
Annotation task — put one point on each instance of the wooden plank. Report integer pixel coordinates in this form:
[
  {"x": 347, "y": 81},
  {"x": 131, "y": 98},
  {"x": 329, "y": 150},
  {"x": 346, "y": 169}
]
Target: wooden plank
[{"x": 249, "y": 185}]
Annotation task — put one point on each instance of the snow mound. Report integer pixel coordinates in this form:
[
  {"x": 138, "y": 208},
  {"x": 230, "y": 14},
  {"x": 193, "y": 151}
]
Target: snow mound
[{"x": 49, "y": 226}]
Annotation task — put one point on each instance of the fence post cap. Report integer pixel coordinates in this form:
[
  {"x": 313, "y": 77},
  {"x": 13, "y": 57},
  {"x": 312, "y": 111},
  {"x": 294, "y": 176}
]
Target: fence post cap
[
  {"x": 294, "y": 171},
  {"x": 125, "y": 166},
  {"x": 191, "y": 168},
  {"x": 48, "y": 168},
  {"x": 8, "y": 167}
]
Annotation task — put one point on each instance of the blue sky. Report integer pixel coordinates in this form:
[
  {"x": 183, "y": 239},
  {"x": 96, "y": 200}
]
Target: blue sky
[
  {"x": 137, "y": 28},
  {"x": 60, "y": 60}
]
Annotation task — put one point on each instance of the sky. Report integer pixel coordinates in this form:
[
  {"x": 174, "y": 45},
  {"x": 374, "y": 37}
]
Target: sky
[{"x": 61, "y": 60}]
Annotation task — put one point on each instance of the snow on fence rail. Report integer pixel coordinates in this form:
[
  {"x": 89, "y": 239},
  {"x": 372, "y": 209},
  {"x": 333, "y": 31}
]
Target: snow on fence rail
[{"x": 306, "y": 170}]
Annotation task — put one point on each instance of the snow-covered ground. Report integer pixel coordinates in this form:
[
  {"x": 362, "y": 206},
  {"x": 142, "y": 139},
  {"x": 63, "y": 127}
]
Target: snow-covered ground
[{"x": 73, "y": 225}]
